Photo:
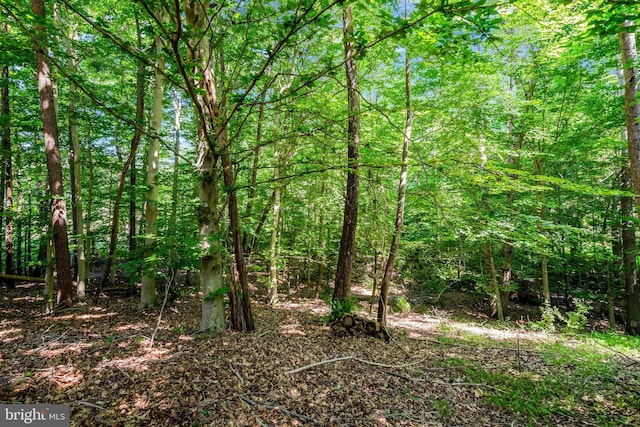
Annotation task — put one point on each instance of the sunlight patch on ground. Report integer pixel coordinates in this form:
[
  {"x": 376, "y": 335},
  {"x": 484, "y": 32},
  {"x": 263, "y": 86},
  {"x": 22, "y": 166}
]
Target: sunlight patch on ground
[
  {"x": 316, "y": 307},
  {"x": 131, "y": 327},
  {"x": 415, "y": 324},
  {"x": 136, "y": 363},
  {"x": 62, "y": 376},
  {"x": 86, "y": 317},
  {"x": 497, "y": 334},
  {"x": 53, "y": 349},
  {"x": 292, "y": 329},
  {"x": 9, "y": 335}
]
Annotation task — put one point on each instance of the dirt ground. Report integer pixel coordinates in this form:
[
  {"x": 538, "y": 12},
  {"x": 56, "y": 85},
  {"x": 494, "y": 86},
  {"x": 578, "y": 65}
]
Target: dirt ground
[{"x": 119, "y": 366}]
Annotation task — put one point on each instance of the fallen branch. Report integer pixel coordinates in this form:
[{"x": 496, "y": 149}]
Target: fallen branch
[
  {"x": 91, "y": 405},
  {"x": 164, "y": 303},
  {"x": 275, "y": 408},
  {"x": 366, "y": 362},
  {"x": 22, "y": 278},
  {"x": 323, "y": 362}
]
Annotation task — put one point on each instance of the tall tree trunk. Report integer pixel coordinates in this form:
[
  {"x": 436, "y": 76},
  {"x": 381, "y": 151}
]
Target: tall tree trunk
[
  {"x": 173, "y": 219},
  {"x": 506, "y": 273},
  {"x": 629, "y": 56},
  {"x": 493, "y": 278},
  {"x": 211, "y": 268},
  {"x": 7, "y": 176},
  {"x": 211, "y": 115},
  {"x": 89, "y": 242},
  {"x": 242, "y": 299},
  {"x": 402, "y": 191},
  {"x": 49, "y": 279},
  {"x": 350, "y": 219},
  {"x": 629, "y": 251},
  {"x": 487, "y": 248},
  {"x": 76, "y": 171},
  {"x": 321, "y": 244},
  {"x": 133, "y": 177},
  {"x": 254, "y": 177},
  {"x": 272, "y": 289},
  {"x": 135, "y": 142},
  {"x": 54, "y": 165},
  {"x": 544, "y": 270},
  {"x": 148, "y": 289}
]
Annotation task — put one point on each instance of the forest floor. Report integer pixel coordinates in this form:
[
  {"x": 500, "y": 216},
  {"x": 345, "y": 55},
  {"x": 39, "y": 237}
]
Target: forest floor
[{"x": 119, "y": 366}]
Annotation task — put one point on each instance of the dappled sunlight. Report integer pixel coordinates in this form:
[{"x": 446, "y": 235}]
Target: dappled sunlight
[
  {"x": 140, "y": 402},
  {"x": 315, "y": 307},
  {"x": 10, "y": 335},
  {"x": 292, "y": 329},
  {"x": 415, "y": 324},
  {"x": 55, "y": 349},
  {"x": 132, "y": 327},
  {"x": 95, "y": 314},
  {"x": 136, "y": 363},
  {"x": 488, "y": 332},
  {"x": 62, "y": 376}
]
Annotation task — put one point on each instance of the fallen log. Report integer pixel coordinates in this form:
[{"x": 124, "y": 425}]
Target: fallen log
[
  {"x": 21, "y": 278},
  {"x": 353, "y": 325}
]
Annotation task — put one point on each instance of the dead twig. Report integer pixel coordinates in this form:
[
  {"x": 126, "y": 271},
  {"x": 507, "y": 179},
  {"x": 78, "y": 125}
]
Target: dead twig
[
  {"x": 237, "y": 374},
  {"x": 275, "y": 408},
  {"x": 619, "y": 353},
  {"x": 164, "y": 303},
  {"x": 91, "y": 405},
  {"x": 366, "y": 362}
]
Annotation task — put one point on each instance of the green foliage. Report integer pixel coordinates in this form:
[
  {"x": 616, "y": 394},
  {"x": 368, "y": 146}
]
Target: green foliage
[
  {"x": 178, "y": 330},
  {"x": 577, "y": 374},
  {"x": 399, "y": 304},
  {"x": 570, "y": 322},
  {"x": 214, "y": 295},
  {"x": 576, "y": 320},
  {"x": 443, "y": 408},
  {"x": 340, "y": 308},
  {"x": 549, "y": 317},
  {"x": 617, "y": 342}
]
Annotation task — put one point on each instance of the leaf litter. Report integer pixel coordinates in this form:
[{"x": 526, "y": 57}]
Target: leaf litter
[{"x": 291, "y": 372}]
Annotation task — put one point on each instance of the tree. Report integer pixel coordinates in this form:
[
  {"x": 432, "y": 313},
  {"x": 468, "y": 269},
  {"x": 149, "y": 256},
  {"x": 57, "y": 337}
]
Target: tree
[
  {"x": 54, "y": 163},
  {"x": 402, "y": 192},
  {"x": 148, "y": 290},
  {"x": 350, "y": 219},
  {"x": 629, "y": 56},
  {"x": 76, "y": 170},
  {"x": 7, "y": 177}
]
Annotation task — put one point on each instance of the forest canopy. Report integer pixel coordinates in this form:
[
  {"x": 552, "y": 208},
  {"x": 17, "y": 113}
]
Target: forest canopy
[{"x": 487, "y": 146}]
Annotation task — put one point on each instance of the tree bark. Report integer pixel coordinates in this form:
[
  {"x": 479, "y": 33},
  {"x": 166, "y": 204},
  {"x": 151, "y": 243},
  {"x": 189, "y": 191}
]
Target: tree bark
[
  {"x": 76, "y": 185},
  {"x": 212, "y": 117},
  {"x": 272, "y": 289},
  {"x": 629, "y": 56},
  {"x": 173, "y": 219},
  {"x": 54, "y": 165},
  {"x": 7, "y": 177},
  {"x": 211, "y": 268},
  {"x": 148, "y": 288},
  {"x": 254, "y": 177},
  {"x": 402, "y": 191},
  {"x": 321, "y": 243},
  {"x": 350, "y": 219}
]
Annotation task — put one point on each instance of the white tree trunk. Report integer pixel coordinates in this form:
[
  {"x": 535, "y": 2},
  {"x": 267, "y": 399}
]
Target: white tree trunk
[{"x": 148, "y": 291}]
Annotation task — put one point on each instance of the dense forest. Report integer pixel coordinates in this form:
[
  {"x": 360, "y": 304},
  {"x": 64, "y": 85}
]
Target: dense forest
[
  {"x": 489, "y": 146},
  {"x": 226, "y": 164}
]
